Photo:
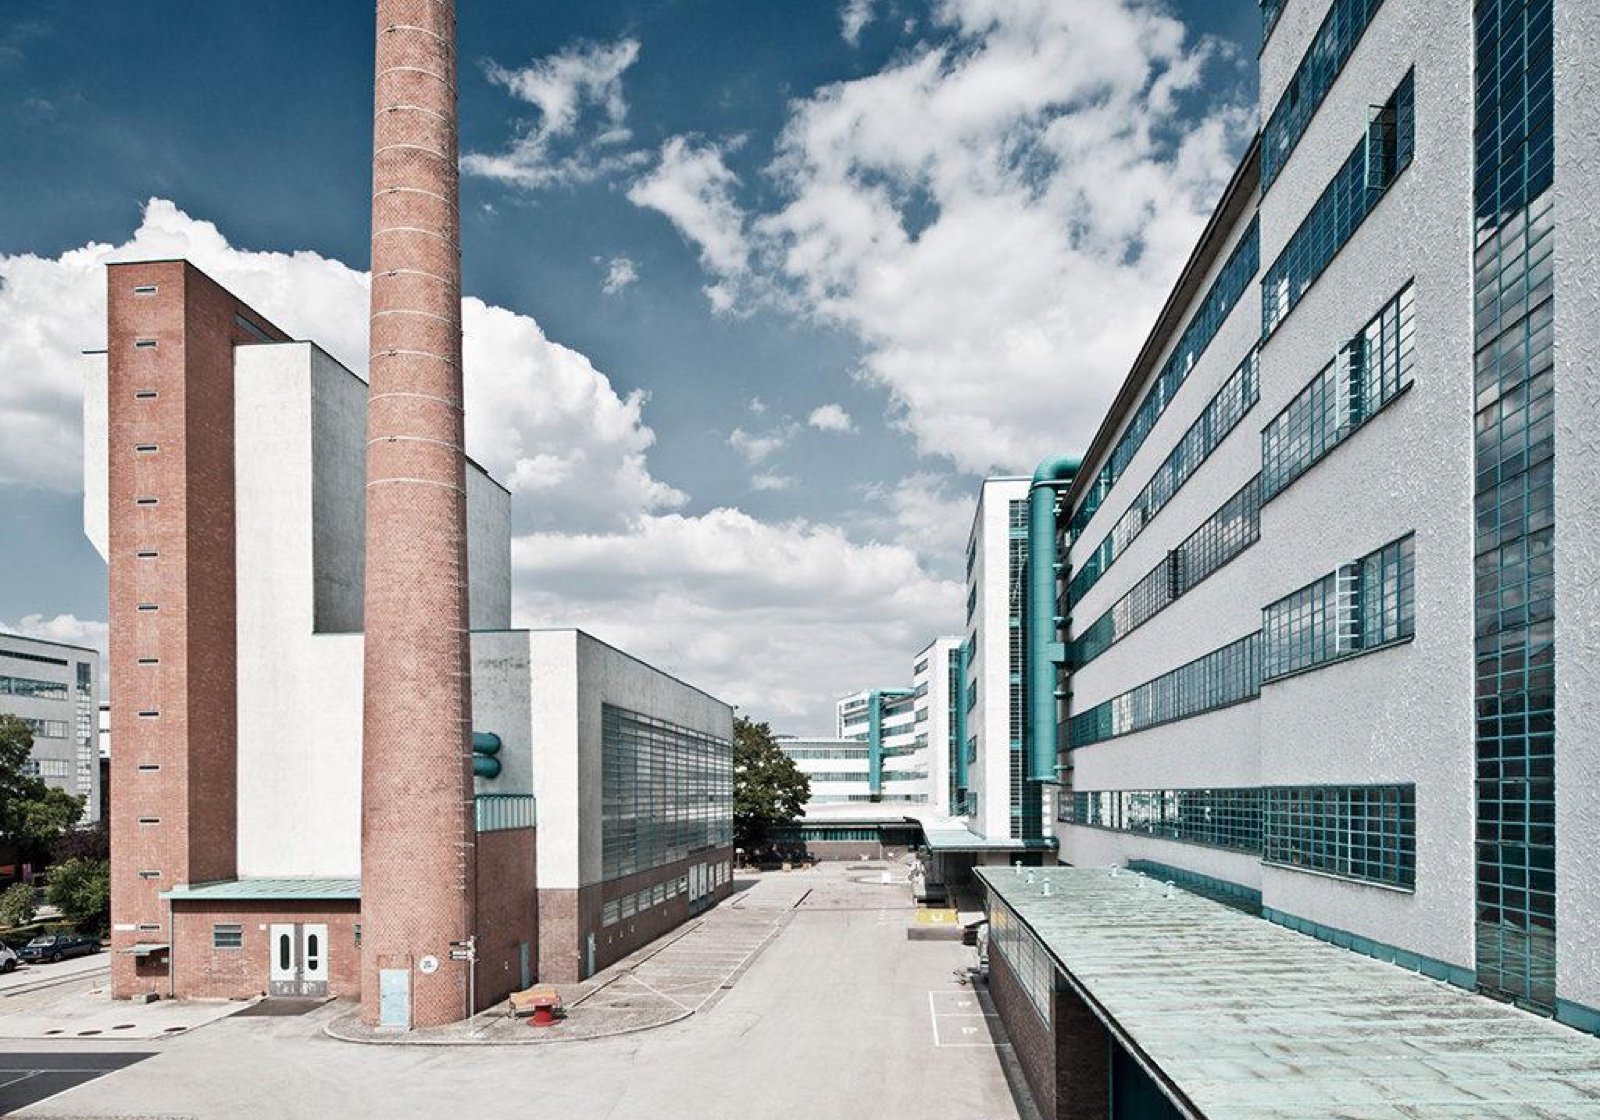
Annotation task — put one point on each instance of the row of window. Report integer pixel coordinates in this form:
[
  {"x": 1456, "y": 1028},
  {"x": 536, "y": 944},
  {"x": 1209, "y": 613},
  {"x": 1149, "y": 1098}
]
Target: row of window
[
  {"x": 855, "y": 798},
  {"x": 666, "y": 791},
  {"x": 1270, "y": 11},
  {"x": 637, "y": 902},
  {"x": 1355, "y": 832},
  {"x": 905, "y": 775},
  {"x": 837, "y": 776},
  {"x": 1222, "y": 677},
  {"x": 1222, "y": 536},
  {"x": 1224, "y": 293},
  {"x": 48, "y": 767},
  {"x": 1341, "y": 30},
  {"x": 1365, "y": 604},
  {"x": 799, "y": 753},
  {"x": 1344, "y": 204},
  {"x": 1028, "y": 960},
  {"x": 32, "y": 689},
  {"x": 46, "y": 728},
  {"x": 1368, "y": 372},
  {"x": 1237, "y": 397}
]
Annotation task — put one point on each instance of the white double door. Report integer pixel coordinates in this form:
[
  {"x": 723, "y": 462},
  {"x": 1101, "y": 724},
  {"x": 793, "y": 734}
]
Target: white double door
[{"x": 299, "y": 964}]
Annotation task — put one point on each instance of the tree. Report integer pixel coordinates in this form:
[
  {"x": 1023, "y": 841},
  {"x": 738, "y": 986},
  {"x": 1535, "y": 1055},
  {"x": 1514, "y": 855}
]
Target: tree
[
  {"x": 16, "y": 905},
  {"x": 768, "y": 788},
  {"x": 81, "y": 890},
  {"x": 33, "y": 814}
]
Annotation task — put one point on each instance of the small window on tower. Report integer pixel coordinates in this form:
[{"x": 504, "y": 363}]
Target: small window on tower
[
  {"x": 144, "y": 343},
  {"x": 145, "y": 289}
]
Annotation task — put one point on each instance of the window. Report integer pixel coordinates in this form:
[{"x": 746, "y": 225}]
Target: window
[
  {"x": 1365, "y": 604},
  {"x": 1027, "y": 959},
  {"x": 1222, "y": 677},
  {"x": 46, "y": 728},
  {"x": 666, "y": 792},
  {"x": 144, "y": 343},
  {"x": 146, "y": 501},
  {"x": 1212, "y": 312},
  {"x": 149, "y": 874},
  {"x": 1341, "y": 30},
  {"x": 1217, "y": 818},
  {"x": 1354, "y": 832},
  {"x": 1367, "y": 373},
  {"x": 146, "y": 448},
  {"x": 611, "y": 913},
  {"x": 145, "y": 289},
  {"x": 149, "y": 820},
  {"x": 227, "y": 935},
  {"x": 50, "y": 767},
  {"x": 145, "y": 395},
  {"x": 1237, "y": 396},
  {"x": 31, "y": 689},
  {"x": 1336, "y": 215}
]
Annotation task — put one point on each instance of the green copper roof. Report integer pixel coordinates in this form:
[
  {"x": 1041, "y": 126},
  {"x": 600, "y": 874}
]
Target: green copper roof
[
  {"x": 1247, "y": 1020},
  {"x": 279, "y": 890}
]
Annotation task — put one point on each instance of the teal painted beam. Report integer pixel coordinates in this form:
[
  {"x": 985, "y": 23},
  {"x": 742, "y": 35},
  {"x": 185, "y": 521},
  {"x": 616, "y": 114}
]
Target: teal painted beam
[
  {"x": 1044, "y": 650},
  {"x": 961, "y": 719},
  {"x": 875, "y": 736}
]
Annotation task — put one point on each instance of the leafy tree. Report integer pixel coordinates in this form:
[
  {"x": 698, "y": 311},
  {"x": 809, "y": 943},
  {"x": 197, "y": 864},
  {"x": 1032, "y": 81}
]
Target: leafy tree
[
  {"x": 768, "y": 788},
  {"x": 81, "y": 890},
  {"x": 91, "y": 842},
  {"x": 16, "y": 905},
  {"x": 33, "y": 814}
]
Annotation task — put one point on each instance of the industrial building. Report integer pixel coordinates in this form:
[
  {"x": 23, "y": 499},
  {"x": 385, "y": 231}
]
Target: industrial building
[
  {"x": 55, "y": 689},
  {"x": 1290, "y": 626}
]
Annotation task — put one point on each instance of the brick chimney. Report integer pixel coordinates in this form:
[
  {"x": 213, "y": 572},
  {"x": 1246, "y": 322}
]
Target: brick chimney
[{"x": 417, "y": 822}]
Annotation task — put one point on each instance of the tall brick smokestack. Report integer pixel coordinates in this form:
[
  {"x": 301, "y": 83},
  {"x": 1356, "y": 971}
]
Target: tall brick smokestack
[{"x": 417, "y": 826}]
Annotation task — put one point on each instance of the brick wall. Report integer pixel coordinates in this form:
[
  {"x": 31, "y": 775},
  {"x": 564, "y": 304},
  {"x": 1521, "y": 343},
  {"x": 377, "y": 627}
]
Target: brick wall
[
  {"x": 507, "y": 911},
  {"x": 567, "y": 917},
  {"x": 1067, "y": 1062},
  {"x": 1032, "y": 1040},
  {"x": 171, "y": 540},
  {"x": 201, "y": 971}
]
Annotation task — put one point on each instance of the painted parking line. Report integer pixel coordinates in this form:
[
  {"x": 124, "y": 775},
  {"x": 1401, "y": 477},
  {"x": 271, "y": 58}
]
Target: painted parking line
[
  {"x": 958, "y": 1019},
  {"x": 28, "y": 1078}
]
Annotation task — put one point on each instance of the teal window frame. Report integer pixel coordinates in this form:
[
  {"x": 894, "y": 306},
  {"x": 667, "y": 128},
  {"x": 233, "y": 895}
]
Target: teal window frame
[
  {"x": 1224, "y": 677},
  {"x": 1367, "y": 604}
]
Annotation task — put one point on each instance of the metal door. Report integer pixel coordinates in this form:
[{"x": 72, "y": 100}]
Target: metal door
[
  {"x": 283, "y": 972},
  {"x": 314, "y": 960}
]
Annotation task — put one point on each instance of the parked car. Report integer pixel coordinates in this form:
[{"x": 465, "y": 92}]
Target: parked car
[
  {"x": 8, "y": 958},
  {"x": 58, "y": 946}
]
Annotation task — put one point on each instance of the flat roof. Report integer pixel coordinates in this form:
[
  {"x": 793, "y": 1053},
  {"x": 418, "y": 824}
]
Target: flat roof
[
  {"x": 1240, "y": 1019},
  {"x": 965, "y": 840},
  {"x": 280, "y": 890}
]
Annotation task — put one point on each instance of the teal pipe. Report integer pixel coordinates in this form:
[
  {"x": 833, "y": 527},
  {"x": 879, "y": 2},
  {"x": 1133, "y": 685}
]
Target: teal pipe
[
  {"x": 485, "y": 742},
  {"x": 485, "y": 745},
  {"x": 961, "y": 720},
  {"x": 1044, "y": 651},
  {"x": 875, "y": 737},
  {"x": 485, "y": 766}
]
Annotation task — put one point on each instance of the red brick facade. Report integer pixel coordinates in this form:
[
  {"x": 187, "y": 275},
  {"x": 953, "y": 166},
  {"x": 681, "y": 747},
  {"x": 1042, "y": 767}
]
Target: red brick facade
[
  {"x": 417, "y": 833},
  {"x": 1066, "y": 1062},
  {"x": 171, "y": 332},
  {"x": 201, "y": 970},
  {"x": 508, "y": 912},
  {"x": 567, "y": 918}
]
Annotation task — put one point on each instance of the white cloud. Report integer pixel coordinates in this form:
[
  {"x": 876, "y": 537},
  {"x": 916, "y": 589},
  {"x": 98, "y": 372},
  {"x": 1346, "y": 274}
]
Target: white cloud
[
  {"x": 758, "y": 447},
  {"x": 581, "y": 133},
  {"x": 996, "y": 215},
  {"x": 771, "y": 481},
  {"x": 694, "y": 188},
  {"x": 854, "y": 17},
  {"x": 540, "y": 416},
  {"x": 757, "y": 406},
  {"x": 776, "y": 618},
  {"x": 926, "y": 512},
  {"x": 831, "y": 418},
  {"x": 621, "y": 272}
]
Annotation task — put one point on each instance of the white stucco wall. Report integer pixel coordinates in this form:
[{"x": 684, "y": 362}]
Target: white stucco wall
[{"x": 989, "y": 775}]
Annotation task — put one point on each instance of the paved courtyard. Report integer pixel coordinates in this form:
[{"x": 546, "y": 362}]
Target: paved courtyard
[{"x": 799, "y": 997}]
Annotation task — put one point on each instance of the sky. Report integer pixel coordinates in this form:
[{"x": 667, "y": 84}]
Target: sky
[{"x": 757, "y": 291}]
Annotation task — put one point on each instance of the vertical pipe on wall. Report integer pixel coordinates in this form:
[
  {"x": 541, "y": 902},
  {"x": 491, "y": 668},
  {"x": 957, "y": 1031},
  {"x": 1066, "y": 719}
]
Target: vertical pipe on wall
[{"x": 1045, "y": 650}]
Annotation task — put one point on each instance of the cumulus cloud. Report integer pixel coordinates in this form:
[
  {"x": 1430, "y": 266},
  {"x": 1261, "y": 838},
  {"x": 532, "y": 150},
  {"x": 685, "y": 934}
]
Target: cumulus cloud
[
  {"x": 778, "y": 618},
  {"x": 767, "y": 481},
  {"x": 854, "y": 17},
  {"x": 581, "y": 131},
  {"x": 758, "y": 447},
  {"x": 831, "y": 418},
  {"x": 996, "y": 215},
  {"x": 621, "y": 272},
  {"x": 540, "y": 417},
  {"x": 927, "y": 512},
  {"x": 694, "y": 188}
]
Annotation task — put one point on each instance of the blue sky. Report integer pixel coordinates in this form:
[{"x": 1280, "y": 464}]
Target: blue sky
[{"x": 785, "y": 277}]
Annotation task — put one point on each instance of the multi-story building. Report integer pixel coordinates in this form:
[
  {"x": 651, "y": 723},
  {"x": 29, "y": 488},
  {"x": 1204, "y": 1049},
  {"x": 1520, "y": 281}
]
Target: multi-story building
[
  {"x": 1330, "y": 629},
  {"x": 897, "y": 767},
  {"x": 223, "y": 458},
  {"x": 55, "y": 689},
  {"x": 938, "y": 719}
]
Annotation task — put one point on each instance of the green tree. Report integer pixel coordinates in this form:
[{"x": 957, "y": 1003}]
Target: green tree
[
  {"x": 16, "y": 905},
  {"x": 768, "y": 788},
  {"x": 33, "y": 814},
  {"x": 81, "y": 890}
]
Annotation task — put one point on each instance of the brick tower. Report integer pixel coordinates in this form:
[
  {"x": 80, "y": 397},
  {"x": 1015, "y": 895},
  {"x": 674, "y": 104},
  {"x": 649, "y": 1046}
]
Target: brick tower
[{"x": 417, "y": 826}]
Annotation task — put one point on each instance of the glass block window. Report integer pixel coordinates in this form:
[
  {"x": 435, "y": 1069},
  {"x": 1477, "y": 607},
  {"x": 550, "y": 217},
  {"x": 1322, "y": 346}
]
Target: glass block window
[
  {"x": 1025, "y": 796},
  {"x": 1213, "y": 310},
  {"x": 1354, "y": 832},
  {"x": 666, "y": 792},
  {"x": 1236, "y": 397},
  {"x": 227, "y": 935},
  {"x": 1366, "y": 374},
  {"x": 1222, "y": 536},
  {"x": 1027, "y": 959},
  {"x": 33, "y": 690},
  {"x": 1217, "y": 818},
  {"x": 1222, "y": 677},
  {"x": 45, "y": 728},
  {"x": 1514, "y": 546},
  {"x": 1364, "y": 605},
  {"x": 1343, "y": 205},
  {"x": 1341, "y": 30},
  {"x": 1270, "y": 11}
]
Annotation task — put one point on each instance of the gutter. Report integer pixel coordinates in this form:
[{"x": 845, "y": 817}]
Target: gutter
[{"x": 1045, "y": 650}]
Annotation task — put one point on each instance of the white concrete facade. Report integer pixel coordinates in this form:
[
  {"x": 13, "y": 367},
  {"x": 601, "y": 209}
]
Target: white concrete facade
[
  {"x": 931, "y": 682},
  {"x": 55, "y": 688},
  {"x": 992, "y": 604},
  {"x": 1403, "y": 714}
]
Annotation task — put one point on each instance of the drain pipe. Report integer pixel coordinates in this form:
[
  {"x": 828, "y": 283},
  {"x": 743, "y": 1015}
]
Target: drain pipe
[
  {"x": 961, "y": 722},
  {"x": 1045, "y": 650},
  {"x": 875, "y": 737}
]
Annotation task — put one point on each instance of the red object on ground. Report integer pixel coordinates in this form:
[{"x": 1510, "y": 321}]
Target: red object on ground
[{"x": 544, "y": 1011}]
